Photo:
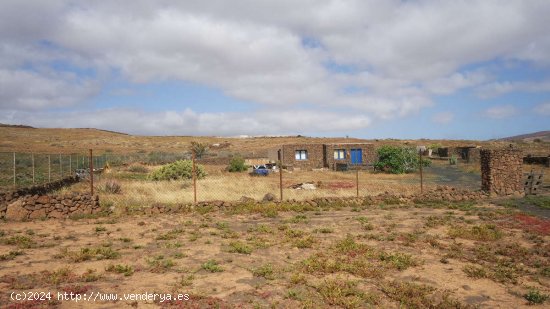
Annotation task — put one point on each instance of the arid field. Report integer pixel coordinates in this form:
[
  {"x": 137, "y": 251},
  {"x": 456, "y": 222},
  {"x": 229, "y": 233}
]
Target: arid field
[
  {"x": 447, "y": 255},
  {"x": 489, "y": 253}
]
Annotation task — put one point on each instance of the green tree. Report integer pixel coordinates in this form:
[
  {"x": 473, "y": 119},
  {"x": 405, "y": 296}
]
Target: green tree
[
  {"x": 181, "y": 169},
  {"x": 398, "y": 160},
  {"x": 237, "y": 164}
]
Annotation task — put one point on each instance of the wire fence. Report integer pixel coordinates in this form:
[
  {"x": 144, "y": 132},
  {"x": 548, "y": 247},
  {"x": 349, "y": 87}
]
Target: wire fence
[{"x": 131, "y": 172}]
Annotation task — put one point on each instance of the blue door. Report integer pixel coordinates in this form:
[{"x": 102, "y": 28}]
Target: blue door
[{"x": 356, "y": 156}]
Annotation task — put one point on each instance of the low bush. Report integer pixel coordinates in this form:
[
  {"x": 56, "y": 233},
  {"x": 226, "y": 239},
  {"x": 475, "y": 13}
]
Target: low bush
[
  {"x": 237, "y": 165},
  {"x": 398, "y": 160},
  {"x": 182, "y": 169},
  {"x": 111, "y": 187}
]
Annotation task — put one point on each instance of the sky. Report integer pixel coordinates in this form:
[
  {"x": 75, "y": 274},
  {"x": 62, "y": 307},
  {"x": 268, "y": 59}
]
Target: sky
[{"x": 369, "y": 69}]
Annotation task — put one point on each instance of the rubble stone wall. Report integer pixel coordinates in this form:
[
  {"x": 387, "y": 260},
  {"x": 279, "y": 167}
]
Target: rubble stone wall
[{"x": 501, "y": 171}]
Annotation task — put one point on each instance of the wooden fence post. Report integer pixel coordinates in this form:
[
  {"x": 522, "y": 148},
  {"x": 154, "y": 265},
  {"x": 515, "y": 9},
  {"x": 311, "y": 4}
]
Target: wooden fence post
[
  {"x": 357, "y": 181},
  {"x": 60, "y": 167},
  {"x": 421, "y": 174},
  {"x": 91, "y": 173},
  {"x": 194, "y": 178},
  {"x": 32, "y": 158},
  {"x": 14, "y": 183},
  {"x": 281, "y": 180}
]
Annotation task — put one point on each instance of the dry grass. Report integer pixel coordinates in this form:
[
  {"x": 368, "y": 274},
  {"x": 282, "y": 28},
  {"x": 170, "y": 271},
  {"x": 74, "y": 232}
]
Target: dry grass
[
  {"x": 245, "y": 260},
  {"x": 226, "y": 186}
]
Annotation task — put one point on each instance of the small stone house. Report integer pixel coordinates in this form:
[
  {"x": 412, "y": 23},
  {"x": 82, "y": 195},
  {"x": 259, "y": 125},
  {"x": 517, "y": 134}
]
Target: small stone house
[{"x": 315, "y": 156}]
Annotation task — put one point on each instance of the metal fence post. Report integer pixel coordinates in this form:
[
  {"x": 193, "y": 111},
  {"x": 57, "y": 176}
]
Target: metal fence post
[
  {"x": 49, "y": 168},
  {"x": 91, "y": 173},
  {"x": 421, "y": 173},
  {"x": 60, "y": 167},
  {"x": 70, "y": 164},
  {"x": 194, "y": 179},
  {"x": 281, "y": 180}
]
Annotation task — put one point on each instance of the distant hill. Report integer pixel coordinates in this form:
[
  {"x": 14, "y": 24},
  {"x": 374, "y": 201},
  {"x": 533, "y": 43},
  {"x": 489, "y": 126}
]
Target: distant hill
[
  {"x": 15, "y": 126},
  {"x": 543, "y": 136}
]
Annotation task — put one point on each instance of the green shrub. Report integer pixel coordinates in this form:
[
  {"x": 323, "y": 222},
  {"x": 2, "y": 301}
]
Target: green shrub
[
  {"x": 237, "y": 165},
  {"x": 182, "y": 169},
  {"x": 398, "y": 160},
  {"x": 535, "y": 297}
]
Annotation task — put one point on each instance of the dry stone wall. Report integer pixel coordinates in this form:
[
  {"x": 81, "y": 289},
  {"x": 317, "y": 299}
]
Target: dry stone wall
[
  {"x": 35, "y": 202},
  {"x": 439, "y": 194},
  {"x": 501, "y": 171}
]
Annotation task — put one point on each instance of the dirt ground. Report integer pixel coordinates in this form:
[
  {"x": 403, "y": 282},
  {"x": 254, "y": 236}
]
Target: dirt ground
[{"x": 443, "y": 255}]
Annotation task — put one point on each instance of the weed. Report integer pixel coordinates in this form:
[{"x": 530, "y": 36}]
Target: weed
[
  {"x": 294, "y": 233},
  {"x": 127, "y": 270},
  {"x": 304, "y": 242},
  {"x": 185, "y": 281},
  {"x": 298, "y": 219},
  {"x": 159, "y": 264},
  {"x": 398, "y": 260},
  {"x": 212, "y": 266},
  {"x": 535, "y": 297},
  {"x": 86, "y": 254},
  {"x": 100, "y": 229},
  {"x": 298, "y": 278},
  {"x": 265, "y": 271},
  {"x": 90, "y": 275},
  {"x": 111, "y": 187},
  {"x": 194, "y": 235},
  {"x": 483, "y": 232},
  {"x": 293, "y": 294},
  {"x": 339, "y": 292},
  {"x": 324, "y": 230},
  {"x": 11, "y": 255},
  {"x": 222, "y": 225},
  {"x": 239, "y": 247},
  {"x": 476, "y": 272},
  {"x": 21, "y": 241},
  {"x": 262, "y": 228},
  {"x": 172, "y": 234}
]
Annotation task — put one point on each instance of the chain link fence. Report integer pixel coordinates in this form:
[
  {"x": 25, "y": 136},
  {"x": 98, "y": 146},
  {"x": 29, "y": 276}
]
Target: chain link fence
[{"x": 131, "y": 173}]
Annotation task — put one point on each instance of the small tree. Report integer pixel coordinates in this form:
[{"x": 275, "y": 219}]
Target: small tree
[
  {"x": 181, "y": 169},
  {"x": 398, "y": 160},
  {"x": 237, "y": 164},
  {"x": 200, "y": 149}
]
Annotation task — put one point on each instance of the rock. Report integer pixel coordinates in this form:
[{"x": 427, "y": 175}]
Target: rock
[
  {"x": 269, "y": 197},
  {"x": 56, "y": 214},
  {"x": 38, "y": 214},
  {"x": 43, "y": 199},
  {"x": 16, "y": 211},
  {"x": 246, "y": 199}
]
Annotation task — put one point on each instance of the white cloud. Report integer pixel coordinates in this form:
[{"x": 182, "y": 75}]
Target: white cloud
[
  {"x": 496, "y": 89},
  {"x": 543, "y": 109},
  {"x": 443, "y": 117},
  {"x": 401, "y": 53},
  {"x": 25, "y": 90},
  {"x": 501, "y": 111}
]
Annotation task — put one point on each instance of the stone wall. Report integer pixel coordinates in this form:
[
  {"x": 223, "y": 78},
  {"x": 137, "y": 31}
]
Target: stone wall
[
  {"x": 50, "y": 206},
  {"x": 542, "y": 160},
  {"x": 439, "y": 194},
  {"x": 368, "y": 154},
  {"x": 315, "y": 156},
  {"x": 35, "y": 202},
  {"x": 501, "y": 171}
]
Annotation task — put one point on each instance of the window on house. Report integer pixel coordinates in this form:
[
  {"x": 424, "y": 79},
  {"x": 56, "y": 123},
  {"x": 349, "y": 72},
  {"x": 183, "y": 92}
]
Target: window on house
[
  {"x": 301, "y": 154},
  {"x": 339, "y": 154}
]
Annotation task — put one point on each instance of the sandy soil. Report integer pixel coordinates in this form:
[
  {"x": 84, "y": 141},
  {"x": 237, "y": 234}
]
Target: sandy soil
[{"x": 370, "y": 256}]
